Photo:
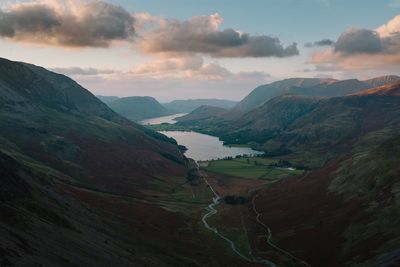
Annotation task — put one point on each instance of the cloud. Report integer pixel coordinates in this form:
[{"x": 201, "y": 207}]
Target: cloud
[
  {"x": 323, "y": 42},
  {"x": 322, "y": 68},
  {"x": 67, "y": 23},
  {"x": 201, "y": 35},
  {"x": 171, "y": 87},
  {"x": 75, "y": 71},
  {"x": 391, "y": 28},
  {"x": 364, "y": 48},
  {"x": 90, "y": 23},
  {"x": 192, "y": 67},
  {"x": 359, "y": 41},
  {"x": 170, "y": 65},
  {"x": 252, "y": 75}
]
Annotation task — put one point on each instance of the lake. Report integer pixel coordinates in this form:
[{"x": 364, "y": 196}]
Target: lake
[
  {"x": 207, "y": 147},
  {"x": 164, "y": 119}
]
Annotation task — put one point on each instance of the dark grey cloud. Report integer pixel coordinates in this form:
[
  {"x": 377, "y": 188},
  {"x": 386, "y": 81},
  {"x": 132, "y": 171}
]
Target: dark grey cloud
[
  {"x": 359, "y": 41},
  {"x": 201, "y": 35},
  {"x": 323, "y": 42},
  {"x": 95, "y": 24}
]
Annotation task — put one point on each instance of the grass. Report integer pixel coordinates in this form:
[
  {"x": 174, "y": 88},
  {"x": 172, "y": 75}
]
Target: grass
[
  {"x": 177, "y": 195},
  {"x": 252, "y": 168}
]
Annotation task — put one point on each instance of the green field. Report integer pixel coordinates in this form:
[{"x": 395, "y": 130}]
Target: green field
[{"x": 252, "y": 168}]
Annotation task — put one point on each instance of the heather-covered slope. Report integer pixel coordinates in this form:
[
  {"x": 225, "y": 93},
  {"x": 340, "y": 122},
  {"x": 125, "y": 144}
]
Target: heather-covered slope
[{"x": 81, "y": 185}]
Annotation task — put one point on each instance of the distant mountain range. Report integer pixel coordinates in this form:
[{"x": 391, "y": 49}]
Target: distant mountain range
[
  {"x": 137, "y": 108},
  {"x": 308, "y": 87}
]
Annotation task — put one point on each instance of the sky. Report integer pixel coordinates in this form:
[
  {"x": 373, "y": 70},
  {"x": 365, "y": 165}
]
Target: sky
[{"x": 180, "y": 49}]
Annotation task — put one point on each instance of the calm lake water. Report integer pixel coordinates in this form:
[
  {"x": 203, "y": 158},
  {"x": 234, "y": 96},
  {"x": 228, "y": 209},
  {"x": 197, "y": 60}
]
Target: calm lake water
[
  {"x": 207, "y": 147},
  {"x": 165, "y": 119}
]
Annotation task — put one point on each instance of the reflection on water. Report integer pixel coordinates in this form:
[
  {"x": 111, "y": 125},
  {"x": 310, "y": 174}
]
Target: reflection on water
[
  {"x": 165, "y": 119},
  {"x": 206, "y": 147}
]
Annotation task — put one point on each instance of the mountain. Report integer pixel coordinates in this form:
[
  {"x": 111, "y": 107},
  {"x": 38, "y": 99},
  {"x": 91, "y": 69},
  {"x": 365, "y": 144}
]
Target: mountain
[
  {"x": 186, "y": 106},
  {"x": 202, "y": 112},
  {"x": 344, "y": 214},
  {"x": 308, "y": 87},
  {"x": 331, "y": 89},
  {"x": 107, "y": 99},
  {"x": 379, "y": 81},
  {"x": 137, "y": 108},
  {"x": 345, "y": 209},
  {"x": 297, "y": 123},
  {"x": 264, "y": 92},
  {"x": 83, "y": 186}
]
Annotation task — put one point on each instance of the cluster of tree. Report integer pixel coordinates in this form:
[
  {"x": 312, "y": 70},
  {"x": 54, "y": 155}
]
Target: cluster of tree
[
  {"x": 182, "y": 148},
  {"x": 281, "y": 164}
]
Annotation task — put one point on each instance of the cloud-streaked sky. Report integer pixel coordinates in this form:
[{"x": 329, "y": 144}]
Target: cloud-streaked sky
[{"x": 179, "y": 49}]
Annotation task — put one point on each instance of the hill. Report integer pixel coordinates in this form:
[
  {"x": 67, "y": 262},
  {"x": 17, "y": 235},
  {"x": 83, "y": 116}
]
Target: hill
[
  {"x": 344, "y": 210},
  {"x": 265, "y": 92},
  {"x": 202, "y": 112},
  {"x": 188, "y": 105},
  {"x": 81, "y": 185},
  {"x": 137, "y": 108},
  {"x": 308, "y": 87},
  {"x": 295, "y": 123}
]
